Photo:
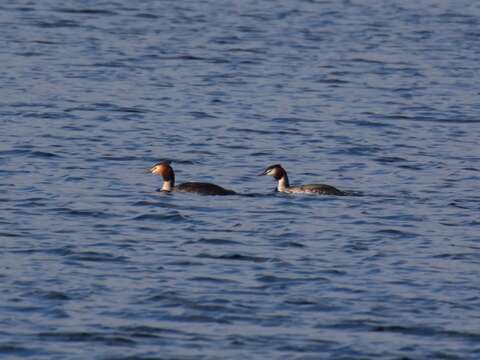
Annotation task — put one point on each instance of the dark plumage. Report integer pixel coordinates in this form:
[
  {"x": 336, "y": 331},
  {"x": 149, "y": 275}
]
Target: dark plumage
[
  {"x": 165, "y": 170},
  {"x": 204, "y": 188},
  {"x": 279, "y": 173}
]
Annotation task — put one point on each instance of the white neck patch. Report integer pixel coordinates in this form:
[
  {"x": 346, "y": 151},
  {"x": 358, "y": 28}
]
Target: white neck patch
[
  {"x": 282, "y": 184},
  {"x": 167, "y": 186}
]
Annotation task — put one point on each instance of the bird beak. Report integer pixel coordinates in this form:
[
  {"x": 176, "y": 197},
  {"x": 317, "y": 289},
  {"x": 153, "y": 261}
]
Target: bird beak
[
  {"x": 263, "y": 173},
  {"x": 149, "y": 170}
]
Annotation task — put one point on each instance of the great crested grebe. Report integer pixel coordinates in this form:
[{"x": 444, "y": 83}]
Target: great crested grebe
[
  {"x": 280, "y": 174},
  {"x": 166, "y": 172}
]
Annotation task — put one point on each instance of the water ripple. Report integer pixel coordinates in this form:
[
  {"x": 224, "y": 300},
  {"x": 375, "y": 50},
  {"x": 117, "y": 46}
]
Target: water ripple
[{"x": 376, "y": 98}]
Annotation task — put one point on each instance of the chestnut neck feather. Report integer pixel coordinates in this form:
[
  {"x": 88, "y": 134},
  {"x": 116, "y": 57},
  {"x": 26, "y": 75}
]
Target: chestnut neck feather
[
  {"x": 168, "y": 178},
  {"x": 282, "y": 178}
]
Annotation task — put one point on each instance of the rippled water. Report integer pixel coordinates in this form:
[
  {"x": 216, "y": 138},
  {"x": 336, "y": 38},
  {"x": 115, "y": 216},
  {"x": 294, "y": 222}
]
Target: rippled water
[{"x": 376, "y": 97}]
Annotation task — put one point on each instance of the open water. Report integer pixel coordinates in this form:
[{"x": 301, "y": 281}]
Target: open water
[{"x": 376, "y": 97}]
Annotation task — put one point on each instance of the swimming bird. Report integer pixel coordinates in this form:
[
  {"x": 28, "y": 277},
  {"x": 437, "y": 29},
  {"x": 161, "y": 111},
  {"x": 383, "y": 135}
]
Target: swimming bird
[
  {"x": 279, "y": 173},
  {"x": 166, "y": 172}
]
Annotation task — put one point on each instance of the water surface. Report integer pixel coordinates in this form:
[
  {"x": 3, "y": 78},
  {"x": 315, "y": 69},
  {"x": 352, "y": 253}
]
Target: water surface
[{"x": 378, "y": 98}]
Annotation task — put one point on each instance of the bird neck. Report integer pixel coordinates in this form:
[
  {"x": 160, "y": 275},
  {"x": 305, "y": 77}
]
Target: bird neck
[
  {"x": 283, "y": 183},
  {"x": 168, "y": 185}
]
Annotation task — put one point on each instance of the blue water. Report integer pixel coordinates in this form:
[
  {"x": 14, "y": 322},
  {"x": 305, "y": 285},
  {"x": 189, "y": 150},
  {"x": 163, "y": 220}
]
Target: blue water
[{"x": 375, "y": 97}]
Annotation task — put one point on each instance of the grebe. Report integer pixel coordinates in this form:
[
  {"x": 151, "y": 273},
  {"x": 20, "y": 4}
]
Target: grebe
[
  {"x": 280, "y": 174},
  {"x": 165, "y": 170}
]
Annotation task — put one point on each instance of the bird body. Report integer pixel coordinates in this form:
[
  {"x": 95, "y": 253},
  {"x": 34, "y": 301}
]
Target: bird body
[
  {"x": 166, "y": 172},
  {"x": 280, "y": 174}
]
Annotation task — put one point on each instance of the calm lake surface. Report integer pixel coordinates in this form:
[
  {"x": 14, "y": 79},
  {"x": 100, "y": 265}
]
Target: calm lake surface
[{"x": 376, "y": 97}]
